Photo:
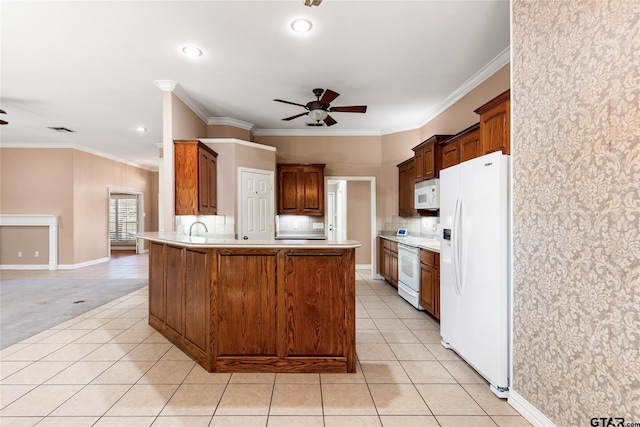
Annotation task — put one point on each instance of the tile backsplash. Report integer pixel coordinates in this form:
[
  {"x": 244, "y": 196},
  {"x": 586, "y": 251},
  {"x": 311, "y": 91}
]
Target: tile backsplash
[
  {"x": 421, "y": 226},
  {"x": 300, "y": 224},
  {"x": 222, "y": 225}
]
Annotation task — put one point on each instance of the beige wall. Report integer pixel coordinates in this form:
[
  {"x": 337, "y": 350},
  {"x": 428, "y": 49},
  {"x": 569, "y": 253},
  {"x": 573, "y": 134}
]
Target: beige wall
[
  {"x": 226, "y": 131},
  {"x": 73, "y": 185},
  {"x": 231, "y": 156},
  {"x": 359, "y": 218},
  {"x": 576, "y": 208},
  {"x": 185, "y": 124}
]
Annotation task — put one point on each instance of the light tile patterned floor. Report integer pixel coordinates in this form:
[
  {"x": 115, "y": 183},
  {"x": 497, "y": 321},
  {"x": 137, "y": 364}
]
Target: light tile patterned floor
[{"x": 108, "y": 367}]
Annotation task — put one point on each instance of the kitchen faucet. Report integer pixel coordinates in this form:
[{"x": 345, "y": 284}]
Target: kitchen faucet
[{"x": 198, "y": 222}]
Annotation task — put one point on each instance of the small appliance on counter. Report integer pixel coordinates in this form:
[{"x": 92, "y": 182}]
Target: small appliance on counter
[{"x": 402, "y": 232}]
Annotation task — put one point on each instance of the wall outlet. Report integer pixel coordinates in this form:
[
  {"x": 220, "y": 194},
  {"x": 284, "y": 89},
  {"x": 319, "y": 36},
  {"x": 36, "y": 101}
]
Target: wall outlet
[
  {"x": 19, "y": 254},
  {"x": 295, "y": 225},
  {"x": 317, "y": 225},
  {"x": 37, "y": 254}
]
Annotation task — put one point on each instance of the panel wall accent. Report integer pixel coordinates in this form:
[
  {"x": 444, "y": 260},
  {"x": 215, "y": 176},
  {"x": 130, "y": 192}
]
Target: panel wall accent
[{"x": 576, "y": 208}]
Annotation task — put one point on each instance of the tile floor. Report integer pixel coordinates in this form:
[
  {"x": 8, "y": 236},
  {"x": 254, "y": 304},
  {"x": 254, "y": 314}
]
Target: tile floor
[{"x": 108, "y": 367}]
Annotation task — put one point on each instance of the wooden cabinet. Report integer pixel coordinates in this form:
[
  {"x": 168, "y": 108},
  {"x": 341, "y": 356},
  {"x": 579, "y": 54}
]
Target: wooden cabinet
[
  {"x": 406, "y": 188},
  {"x": 255, "y": 309},
  {"x": 430, "y": 282},
  {"x": 461, "y": 147},
  {"x": 428, "y": 158},
  {"x": 179, "y": 283},
  {"x": 388, "y": 260},
  {"x": 450, "y": 153},
  {"x": 195, "y": 167},
  {"x": 301, "y": 189},
  {"x": 495, "y": 117},
  {"x": 470, "y": 147}
]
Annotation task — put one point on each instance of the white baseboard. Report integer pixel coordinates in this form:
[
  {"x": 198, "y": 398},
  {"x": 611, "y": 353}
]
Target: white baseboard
[
  {"x": 82, "y": 264},
  {"x": 24, "y": 266},
  {"x": 528, "y": 411},
  {"x": 363, "y": 266}
]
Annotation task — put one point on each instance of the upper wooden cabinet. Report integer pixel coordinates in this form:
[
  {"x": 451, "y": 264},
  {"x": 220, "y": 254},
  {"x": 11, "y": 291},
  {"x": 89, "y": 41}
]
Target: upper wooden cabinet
[
  {"x": 195, "y": 167},
  {"x": 406, "y": 184},
  {"x": 301, "y": 189},
  {"x": 461, "y": 147},
  {"x": 495, "y": 120},
  {"x": 427, "y": 157}
]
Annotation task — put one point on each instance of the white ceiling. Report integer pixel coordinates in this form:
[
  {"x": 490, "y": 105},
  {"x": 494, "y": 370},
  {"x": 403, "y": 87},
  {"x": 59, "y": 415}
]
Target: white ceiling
[{"x": 90, "y": 66}]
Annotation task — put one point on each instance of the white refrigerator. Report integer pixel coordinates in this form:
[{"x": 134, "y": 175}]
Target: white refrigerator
[{"x": 474, "y": 266}]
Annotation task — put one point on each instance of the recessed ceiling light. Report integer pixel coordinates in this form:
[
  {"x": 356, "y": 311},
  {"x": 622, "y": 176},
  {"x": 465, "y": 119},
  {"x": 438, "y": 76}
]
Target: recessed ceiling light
[
  {"x": 301, "y": 25},
  {"x": 141, "y": 129},
  {"x": 192, "y": 51}
]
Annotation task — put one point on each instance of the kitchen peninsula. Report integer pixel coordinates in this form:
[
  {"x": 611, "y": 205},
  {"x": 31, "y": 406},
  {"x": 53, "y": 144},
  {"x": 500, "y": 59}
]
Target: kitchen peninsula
[{"x": 255, "y": 306}]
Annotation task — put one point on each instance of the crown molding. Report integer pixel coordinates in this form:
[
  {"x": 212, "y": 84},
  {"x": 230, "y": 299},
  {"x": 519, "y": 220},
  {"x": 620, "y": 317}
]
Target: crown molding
[
  {"x": 165, "y": 85},
  {"x": 231, "y": 122},
  {"x": 236, "y": 141},
  {"x": 317, "y": 132},
  {"x": 474, "y": 81}
]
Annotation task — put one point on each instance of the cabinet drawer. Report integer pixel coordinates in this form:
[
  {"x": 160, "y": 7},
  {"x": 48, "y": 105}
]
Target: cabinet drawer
[
  {"x": 428, "y": 257},
  {"x": 393, "y": 247}
]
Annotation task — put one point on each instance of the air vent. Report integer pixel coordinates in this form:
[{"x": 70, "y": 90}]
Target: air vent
[{"x": 61, "y": 129}]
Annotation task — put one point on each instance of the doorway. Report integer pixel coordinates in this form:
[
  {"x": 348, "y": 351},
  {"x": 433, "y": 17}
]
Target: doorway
[
  {"x": 126, "y": 220},
  {"x": 353, "y": 214},
  {"x": 255, "y": 204}
]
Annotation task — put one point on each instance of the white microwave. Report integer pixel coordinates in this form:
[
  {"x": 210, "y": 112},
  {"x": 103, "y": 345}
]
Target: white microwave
[{"x": 427, "y": 194}]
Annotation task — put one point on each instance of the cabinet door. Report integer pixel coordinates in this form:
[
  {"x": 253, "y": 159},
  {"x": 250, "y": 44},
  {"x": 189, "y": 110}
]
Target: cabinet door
[
  {"x": 429, "y": 161},
  {"x": 174, "y": 308},
  {"x": 196, "y": 296},
  {"x": 394, "y": 269},
  {"x": 419, "y": 164},
  {"x": 470, "y": 146},
  {"x": 247, "y": 321},
  {"x": 436, "y": 311},
  {"x": 312, "y": 191},
  {"x": 494, "y": 127},
  {"x": 450, "y": 154},
  {"x": 406, "y": 186},
  {"x": 207, "y": 169},
  {"x": 288, "y": 191},
  {"x": 427, "y": 291},
  {"x": 156, "y": 281},
  {"x": 387, "y": 265},
  {"x": 381, "y": 256},
  {"x": 315, "y": 295}
]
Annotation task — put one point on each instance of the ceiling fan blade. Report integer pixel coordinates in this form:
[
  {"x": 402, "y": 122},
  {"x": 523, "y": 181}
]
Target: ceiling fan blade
[
  {"x": 3, "y": 112},
  {"x": 289, "y": 102},
  {"x": 329, "y": 96},
  {"x": 350, "y": 109},
  {"x": 329, "y": 121},
  {"x": 4, "y": 122},
  {"x": 296, "y": 116}
]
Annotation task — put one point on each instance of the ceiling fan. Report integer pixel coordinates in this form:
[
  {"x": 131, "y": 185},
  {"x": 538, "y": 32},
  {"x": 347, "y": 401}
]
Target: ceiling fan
[{"x": 319, "y": 109}]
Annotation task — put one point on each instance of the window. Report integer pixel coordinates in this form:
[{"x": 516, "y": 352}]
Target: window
[{"x": 123, "y": 218}]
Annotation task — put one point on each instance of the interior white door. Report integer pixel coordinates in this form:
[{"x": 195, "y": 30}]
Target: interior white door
[
  {"x": 331, "y": 216},
  {"x": 256, "y": 205}
]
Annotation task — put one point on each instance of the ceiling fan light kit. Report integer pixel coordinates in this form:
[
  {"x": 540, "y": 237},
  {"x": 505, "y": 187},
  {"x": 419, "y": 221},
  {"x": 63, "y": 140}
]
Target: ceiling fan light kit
[{"x": 319, "y": 109}]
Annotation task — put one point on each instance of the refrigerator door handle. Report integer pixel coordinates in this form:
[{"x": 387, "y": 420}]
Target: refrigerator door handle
[{"x": 455, "y": 245}]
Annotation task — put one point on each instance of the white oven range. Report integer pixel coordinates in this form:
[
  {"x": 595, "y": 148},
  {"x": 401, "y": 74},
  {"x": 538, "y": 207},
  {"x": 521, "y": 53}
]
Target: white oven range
[{"x": 409, "y": 274}]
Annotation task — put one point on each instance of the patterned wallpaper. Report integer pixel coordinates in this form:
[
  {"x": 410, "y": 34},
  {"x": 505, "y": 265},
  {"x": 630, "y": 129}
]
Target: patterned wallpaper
[{"x": 576, "y": 138}]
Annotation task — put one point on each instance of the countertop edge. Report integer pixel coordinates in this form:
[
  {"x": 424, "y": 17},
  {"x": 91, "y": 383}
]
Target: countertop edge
[
  {"x": 208, "y": 242},
  {"x": 414, "y": 244}
]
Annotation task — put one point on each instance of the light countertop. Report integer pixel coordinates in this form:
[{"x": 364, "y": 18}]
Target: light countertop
[
  {"x": 416, "y": 242},
  {"x": 211, "y": 242}
]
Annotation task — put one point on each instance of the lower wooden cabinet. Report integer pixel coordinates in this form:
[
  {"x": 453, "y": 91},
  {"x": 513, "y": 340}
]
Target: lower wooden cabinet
[
  {"x": 388, "y": 260},
  {"x": 430, "y": 282},
  {"x": 256, "y": 310}
]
